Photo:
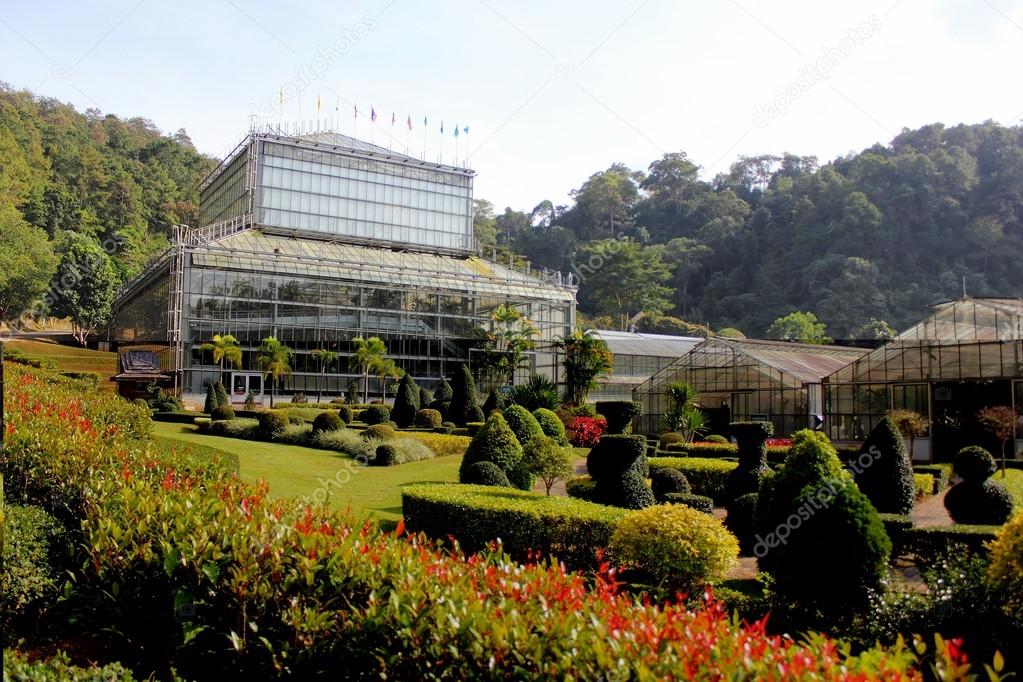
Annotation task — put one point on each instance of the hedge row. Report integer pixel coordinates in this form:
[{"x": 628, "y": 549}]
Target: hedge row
[
  {"x": 527, "y": 523},
  {"x": 707, "y": 476},
  {"x": 934, "y": 543}
]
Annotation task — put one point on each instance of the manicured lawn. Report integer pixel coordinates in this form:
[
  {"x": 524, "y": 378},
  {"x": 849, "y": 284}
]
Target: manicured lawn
[
  {"x": 72, "y": 359},
  {"x": 302, "y": 472}
]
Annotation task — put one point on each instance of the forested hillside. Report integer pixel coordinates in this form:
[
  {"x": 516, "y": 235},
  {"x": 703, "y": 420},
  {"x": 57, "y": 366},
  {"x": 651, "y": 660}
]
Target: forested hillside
[
  {"x": 866, "y": 239},
  {"x": 876, "y": 235}
]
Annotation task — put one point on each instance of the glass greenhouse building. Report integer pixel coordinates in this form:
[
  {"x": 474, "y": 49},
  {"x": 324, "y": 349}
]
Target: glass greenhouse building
[
  {"x": 746, "y": 379},
  {"x": 637, "y": 357},
  {"x": 317, "y": 240},
  {"x": 966, "y": 355}
]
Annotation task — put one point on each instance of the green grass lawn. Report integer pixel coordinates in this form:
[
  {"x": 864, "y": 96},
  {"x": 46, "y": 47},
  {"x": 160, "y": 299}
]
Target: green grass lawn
[
  {"x": 1013, "y": 482},
  {"x": 300, "y": 472},
  {"x": 71, "y": 358}
]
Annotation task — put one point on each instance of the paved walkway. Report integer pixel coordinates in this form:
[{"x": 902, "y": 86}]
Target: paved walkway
[{"x": 931, "y": 512}]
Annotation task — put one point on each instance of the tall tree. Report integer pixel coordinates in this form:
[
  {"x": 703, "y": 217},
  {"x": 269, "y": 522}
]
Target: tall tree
[
  {"x": 273, "y": 359},
  {"x": 225, "y": 349},
  {"x": 586, "y": 358},
  {"x": 325, "y": 358},
  {"x": 622, "y": 278},
  {"x": 27, "y": 263},
  {"x": 84, "y": 286},
  {"x": 799, "y": 326},
  {"x": 367, "y": 354}
]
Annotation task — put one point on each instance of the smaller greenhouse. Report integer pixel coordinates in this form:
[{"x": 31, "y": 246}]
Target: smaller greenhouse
[
  {"x": 744, "y": 380},
  {"x": 637, "y": 357},
  {"x": 965, "y": 356}
]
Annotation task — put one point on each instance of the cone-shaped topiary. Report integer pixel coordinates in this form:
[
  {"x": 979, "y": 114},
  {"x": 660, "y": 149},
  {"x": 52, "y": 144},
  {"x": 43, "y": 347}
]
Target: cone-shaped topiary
[
  {"x": 835, "y": 550},
  {"x": 522, "y": 423},
  {"x": 222, "y": 398},
  {"x": 883, "y": 470},
  {"x": 211, "y": 399},
  {"x": 464, "y": 405},
  {"x": 619, "y": 467},
  {"x": 976, "y": 499},
  {"x": 811, "y": 460},
  {"x": 406, "y": 403},
  {"x": 619, "y": 413},
  {"x": 444, "y": 392},
  {"x": 493, "y": 402},
  {"x": 747, "y": 477},
  {"x": 486, "y": 473},
  {"x": 551, "y": 425},
  {"x": 496, "y": 443}
]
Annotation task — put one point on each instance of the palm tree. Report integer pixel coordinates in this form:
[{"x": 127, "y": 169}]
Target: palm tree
[
  {"x": 684, "y": 414},
  {"x": 225, "y": 349},
  {"x": 367, "y": 355},
  {"x": 326, "y": 358},
  {"x": 273, "y": 359},
  {"x": 386, "y": 369},
  {"x": 586, "y": 358}
]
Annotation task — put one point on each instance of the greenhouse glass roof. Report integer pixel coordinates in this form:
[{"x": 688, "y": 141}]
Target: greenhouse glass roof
[
  {"x": 970, "y": 319},
  {"x": 258, "y": 252}
]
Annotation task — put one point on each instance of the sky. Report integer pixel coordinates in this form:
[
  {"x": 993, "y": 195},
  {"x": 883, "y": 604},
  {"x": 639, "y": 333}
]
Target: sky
[{"x": 551, "y": 92}]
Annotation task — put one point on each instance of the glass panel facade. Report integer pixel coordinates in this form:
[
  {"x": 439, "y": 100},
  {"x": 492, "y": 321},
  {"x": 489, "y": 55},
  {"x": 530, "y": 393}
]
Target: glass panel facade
[
  {"x": 331, "y": 192},
  {"x": 227, "y": 195}
]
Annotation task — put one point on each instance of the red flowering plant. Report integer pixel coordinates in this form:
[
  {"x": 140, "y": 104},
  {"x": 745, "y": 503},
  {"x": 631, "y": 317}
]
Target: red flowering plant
[
  {"x": 202, "y": 571},
  {"x": 586, "y": 431}
]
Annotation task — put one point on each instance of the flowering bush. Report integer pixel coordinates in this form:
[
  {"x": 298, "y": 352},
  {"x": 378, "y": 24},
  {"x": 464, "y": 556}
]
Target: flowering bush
[
  {"x": 586, "y": 431},
  {"x": 204, "y": 571}
]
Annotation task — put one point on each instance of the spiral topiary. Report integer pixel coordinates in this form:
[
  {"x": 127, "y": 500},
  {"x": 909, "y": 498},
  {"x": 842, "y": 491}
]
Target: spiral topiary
[
  {"x": 747, "y": 477},
  {"x": 619, "y": 466}
]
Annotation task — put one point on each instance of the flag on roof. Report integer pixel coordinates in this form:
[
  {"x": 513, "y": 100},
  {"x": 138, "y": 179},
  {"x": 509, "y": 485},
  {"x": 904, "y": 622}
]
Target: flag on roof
[
  {"x": 409, "y": 122},
  {"x": 372, "y": 114}
]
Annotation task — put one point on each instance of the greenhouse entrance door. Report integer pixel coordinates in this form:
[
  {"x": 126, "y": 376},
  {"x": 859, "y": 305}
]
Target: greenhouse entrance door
[{"x": 244, "y": 383}]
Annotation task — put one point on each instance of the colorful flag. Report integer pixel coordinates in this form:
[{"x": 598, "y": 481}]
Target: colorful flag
[
  {"x": 424, "y": 122},
  {"x": 393, "y": 118},
  {"x": 409, "y": 122},
  {"x": 465, "y": 130},
  {"x": 355, "y": 110},
  {"x": 456, "y": 130},
  {"x": 372, "y": 114},
  {"x": 281, "y": 96},
  {"x": 442, "y": 127},
  {"x": 318, "y": 104}
]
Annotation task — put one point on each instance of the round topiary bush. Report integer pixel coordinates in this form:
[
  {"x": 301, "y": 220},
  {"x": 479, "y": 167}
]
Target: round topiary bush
[
  {"x": 740, "y": 520},
  {"x": 376, "y": 414},
  {"x": 974, "y": 464},
  {"x": 222, "y": 413},
  {"x": 670, "y": 438},
  {"x": 143, "y": 403},
  {"x": 550, "y": 424},
  {"x": 486, "y": 473},
  {"x": 522, "y": 423},
  {"x": 327, "y": 421},
  {"x": 715, "y": 438},
  {"x": 664, "y": 481},
  {"x": 1005, "y": 569},
  {"x": 883, "y": 470},
  {"x": 495, "y": 443},
  {"x": 386, "y": 456},
  {"x": 428, "y": 419},
  {"x": 619, "y": 413},
  {"x": 675, "y": 546},
  {"x": 379, "y": 432},
  {"x": 752, "y": 439},
  {"x": 619, "y": 466},
  {"x": 976, "y": 499},
  {"x": 346, "y": 414},
  {"x": 272, "y": 424}
]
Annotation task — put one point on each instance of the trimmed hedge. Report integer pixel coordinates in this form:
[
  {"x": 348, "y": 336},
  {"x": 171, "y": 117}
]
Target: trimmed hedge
[
  {"x": 386, "y": 456},
  {"x": 375, "y": 414},
  {"x": 975, "y": 499},
  {"x": 746, "y": 478},
  {"x": 428, "y": 418},
  {"x": 379, "y": 432},
  {"x": 707, "y": 476},
  {"x": 941, "y": 474},
  {"x": 664, "y": 481},
  {"x": 527, "y": 523},
  {"x": 327, "y": 421},
  {"x": 495, "y": 443},
  {"x": 581, "y": 487},
  {"x": 443, "y": 445},
  {"x": 36, "y": 550},
  {"x": 222, "y": 413},
  {"x": 406, "y": 402},
  {"x": 700, "y": 503},
  {"x": 272, "y": 424},
  {"x": 934, "y": 543},
  {"x": 346, "y": 413},
  {"x": 740, "y": 520},
  {"x": 924, "y": 486}
]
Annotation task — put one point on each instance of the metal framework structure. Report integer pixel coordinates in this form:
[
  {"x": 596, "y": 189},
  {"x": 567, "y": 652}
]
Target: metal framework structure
[
  {"x": 637, "y": 357},
  {"x": 741, "y": 380},
  {"x": 967, "y": 354},
  {"x": 336, "y": 273}
]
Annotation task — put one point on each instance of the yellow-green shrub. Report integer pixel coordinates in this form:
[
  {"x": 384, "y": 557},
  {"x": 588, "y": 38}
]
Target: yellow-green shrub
[
  {"x": 674, "y": 545},
  {"x": 1006, "y": 567},
  {"x": 924, "y": 485},
  {"x": 442, "y": 445}
]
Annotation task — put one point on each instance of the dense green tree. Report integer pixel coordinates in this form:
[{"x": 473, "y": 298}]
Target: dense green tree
[
  {"x": 367, "y": 355},
  {"x": 798, "y": 326},
  {"x": 621, "y": 278},
  {"x": 84, "y": 286},
  {"x": 586, "y": 357},
  {"x": 27, "y": 263}
]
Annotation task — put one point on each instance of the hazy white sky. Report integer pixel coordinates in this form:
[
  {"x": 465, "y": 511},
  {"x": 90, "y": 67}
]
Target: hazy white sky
[{"x": 550, "y": 91}]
